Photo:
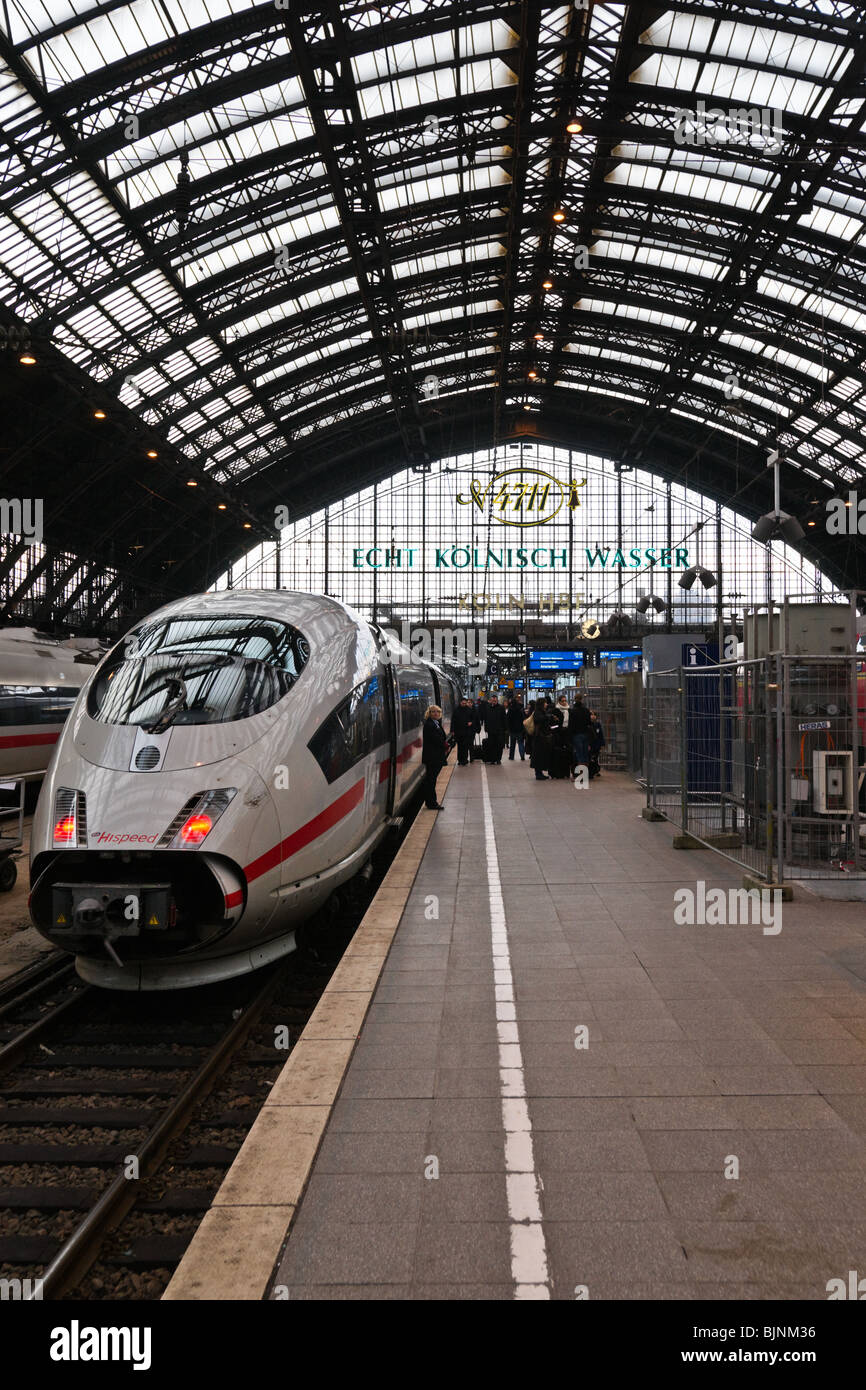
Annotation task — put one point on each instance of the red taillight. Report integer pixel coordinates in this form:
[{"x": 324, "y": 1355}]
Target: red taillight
[
  {"x": 195, "y": 829},
  {"x": 64, "y": 831}
]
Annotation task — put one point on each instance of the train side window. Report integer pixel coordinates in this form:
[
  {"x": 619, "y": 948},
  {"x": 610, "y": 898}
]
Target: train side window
[
  {"x": 417, "y": 693},
  {"x": 33, "y": 704},
  {"x": 355, "y": 728}
]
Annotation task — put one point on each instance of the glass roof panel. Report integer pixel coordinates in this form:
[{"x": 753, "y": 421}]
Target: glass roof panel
[{"x": 95, "y": 246}]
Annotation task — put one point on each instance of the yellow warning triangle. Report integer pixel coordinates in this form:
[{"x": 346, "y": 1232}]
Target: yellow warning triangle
[
  {"x": 154, "y": 922},
  {"x": 61, "y": 921}
]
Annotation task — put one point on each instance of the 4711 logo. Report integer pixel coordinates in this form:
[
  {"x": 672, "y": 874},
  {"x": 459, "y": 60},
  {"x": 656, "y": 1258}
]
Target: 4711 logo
[{"x": 523, "y": 496}]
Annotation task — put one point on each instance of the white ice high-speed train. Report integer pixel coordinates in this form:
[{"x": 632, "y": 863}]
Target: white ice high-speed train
[
  {"x": 231, "y": 762},
  {"x": 40, "y": 678}
]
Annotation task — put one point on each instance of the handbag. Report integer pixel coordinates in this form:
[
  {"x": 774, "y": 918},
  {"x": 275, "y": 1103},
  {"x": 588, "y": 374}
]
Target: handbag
[{"x": 529, "y": 724}]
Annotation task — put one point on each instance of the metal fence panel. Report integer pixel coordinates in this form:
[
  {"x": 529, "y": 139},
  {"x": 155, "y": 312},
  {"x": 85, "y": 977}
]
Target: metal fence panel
[{"x": 764, "y": 761}]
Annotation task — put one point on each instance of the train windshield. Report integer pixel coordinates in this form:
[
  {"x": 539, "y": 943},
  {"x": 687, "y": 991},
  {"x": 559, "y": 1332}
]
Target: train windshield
[{"x": 197, "y": 670}]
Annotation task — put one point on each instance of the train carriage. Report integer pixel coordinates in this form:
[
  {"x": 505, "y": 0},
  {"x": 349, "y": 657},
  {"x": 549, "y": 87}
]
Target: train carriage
[{"x": 40, "y": 678}]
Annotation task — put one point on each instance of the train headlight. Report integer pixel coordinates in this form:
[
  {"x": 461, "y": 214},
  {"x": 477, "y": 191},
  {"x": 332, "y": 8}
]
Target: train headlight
[
  {"x": 195, "y": 820},
  {"x": 69, "y": 818},
  {"x": 195, "y": 828}
]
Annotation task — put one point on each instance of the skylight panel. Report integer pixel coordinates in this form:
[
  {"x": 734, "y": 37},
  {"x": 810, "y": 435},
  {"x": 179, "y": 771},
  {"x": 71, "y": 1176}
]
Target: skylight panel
[
  {"x": 835, "y": 224},
  {"x": 654, "y": 256},
  {"x": 689, "y": 185},
  {"x": 631, "y": 311}
]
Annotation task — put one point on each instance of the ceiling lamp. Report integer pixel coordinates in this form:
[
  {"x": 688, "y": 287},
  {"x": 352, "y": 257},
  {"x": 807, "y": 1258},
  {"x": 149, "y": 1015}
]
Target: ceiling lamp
[
  {"x": 548, "y": 285},
  {"x": 539, "y": 337},
  {"x": 653, "y": 601},
  {"x": 559, "y": 215},
  {"x": 152, "y": 454},
  {"x": 777, "y": 524},
  {"x": 27, "y": 359},
  {"x": 99, "y": 415},
  {"x": 532, "y": 375},
  {"x": 694, "y": 572},
  {"x": 221, "y": 506},
  {"x": 191, "y": 482},
  {"x": 247, "y": 525},
  {"x": 574, "y": 127}
]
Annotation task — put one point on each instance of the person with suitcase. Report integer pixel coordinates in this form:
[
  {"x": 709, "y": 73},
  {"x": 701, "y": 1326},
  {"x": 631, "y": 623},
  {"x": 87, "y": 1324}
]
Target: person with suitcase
[{"x": 464, "y": 725}]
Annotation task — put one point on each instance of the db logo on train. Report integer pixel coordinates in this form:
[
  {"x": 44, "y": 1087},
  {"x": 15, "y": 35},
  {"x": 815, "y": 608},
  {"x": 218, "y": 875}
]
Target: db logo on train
[{"x": 512, "y": 497}]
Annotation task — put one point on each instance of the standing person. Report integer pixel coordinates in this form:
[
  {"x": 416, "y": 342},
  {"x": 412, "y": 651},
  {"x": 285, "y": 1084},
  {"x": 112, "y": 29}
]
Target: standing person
[
  {"x": 463, "y": 727},
  {"x": 434, "y": 754},
  {"x": 516, "y": 734},
  {"x": 560, "y": 758},
  {"x": 530, "y": 719},
  {"x": 578, "y": 726},
  {"x": 496, "y": 728},
  {"x": 481, "y": 713},
  {"x": 596, "y": 741},
  {"x": 542, "y": 742}
]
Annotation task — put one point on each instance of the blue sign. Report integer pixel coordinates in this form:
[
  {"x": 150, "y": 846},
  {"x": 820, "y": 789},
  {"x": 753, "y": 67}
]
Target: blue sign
[
  {"x": 553, "y": 661},
  {"x": 541, "y": 685},
  {"x": 620, "y": 656}
]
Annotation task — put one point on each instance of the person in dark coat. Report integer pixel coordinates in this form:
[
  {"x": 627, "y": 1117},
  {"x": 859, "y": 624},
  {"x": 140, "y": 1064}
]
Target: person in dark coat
[
  {"x": 560, "y": 756},
  {"x": 496, "y": 729},
  {"x": 596, "y": 741},
  {"x": 578, "y": 727},
  {"x": 530, "y": 710},
  {"x": 514, "y": 717},
  {"x": 542, "y": 742},
  {"x": 434, "y": 754},
  {"x": 464, "y": 725},
  {"x": 481, "y": 713}
]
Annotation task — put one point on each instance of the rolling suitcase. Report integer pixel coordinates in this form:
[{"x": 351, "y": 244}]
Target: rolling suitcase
[
  {"x": 560, "y": 761},
  {"x": 488, "y": 751},
  {"x": 475, "y": 751}
]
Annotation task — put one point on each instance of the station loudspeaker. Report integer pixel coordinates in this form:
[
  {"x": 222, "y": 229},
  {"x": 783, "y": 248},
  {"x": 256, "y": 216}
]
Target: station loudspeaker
[{"x": 833, "y": 782}]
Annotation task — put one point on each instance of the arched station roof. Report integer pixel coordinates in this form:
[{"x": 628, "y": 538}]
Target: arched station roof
[{"x": 289, "y": 251}]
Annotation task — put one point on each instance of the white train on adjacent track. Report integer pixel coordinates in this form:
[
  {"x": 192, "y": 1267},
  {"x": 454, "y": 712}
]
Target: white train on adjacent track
[
  {"x": 40, "y": 678},
  {"x": 233, "y": 760}
]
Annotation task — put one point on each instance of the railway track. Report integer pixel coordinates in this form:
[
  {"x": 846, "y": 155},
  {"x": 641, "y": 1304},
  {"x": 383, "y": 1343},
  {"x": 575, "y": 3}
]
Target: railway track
[{"x": 120, "y": 1114}]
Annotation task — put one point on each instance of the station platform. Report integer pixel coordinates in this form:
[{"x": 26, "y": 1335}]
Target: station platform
[{"x": 557, "y": 1091}]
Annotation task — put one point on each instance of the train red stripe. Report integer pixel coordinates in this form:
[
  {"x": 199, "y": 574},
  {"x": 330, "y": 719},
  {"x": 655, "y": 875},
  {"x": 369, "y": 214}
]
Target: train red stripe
[
  {"x": 27, "y": 740},
  {"x": 325, "y": 820}
]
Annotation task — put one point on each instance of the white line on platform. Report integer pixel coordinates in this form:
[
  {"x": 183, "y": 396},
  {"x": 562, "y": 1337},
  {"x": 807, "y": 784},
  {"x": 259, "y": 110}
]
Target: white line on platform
[{"x": 523, "y": 1185}]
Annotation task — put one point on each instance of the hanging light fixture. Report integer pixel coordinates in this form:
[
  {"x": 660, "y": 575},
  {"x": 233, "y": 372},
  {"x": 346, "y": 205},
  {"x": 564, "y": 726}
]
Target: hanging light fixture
[
  {"x": 653, "y": 601},
  {"x": 697, "y": 571},
  {"x": 777, "y": 524}
]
